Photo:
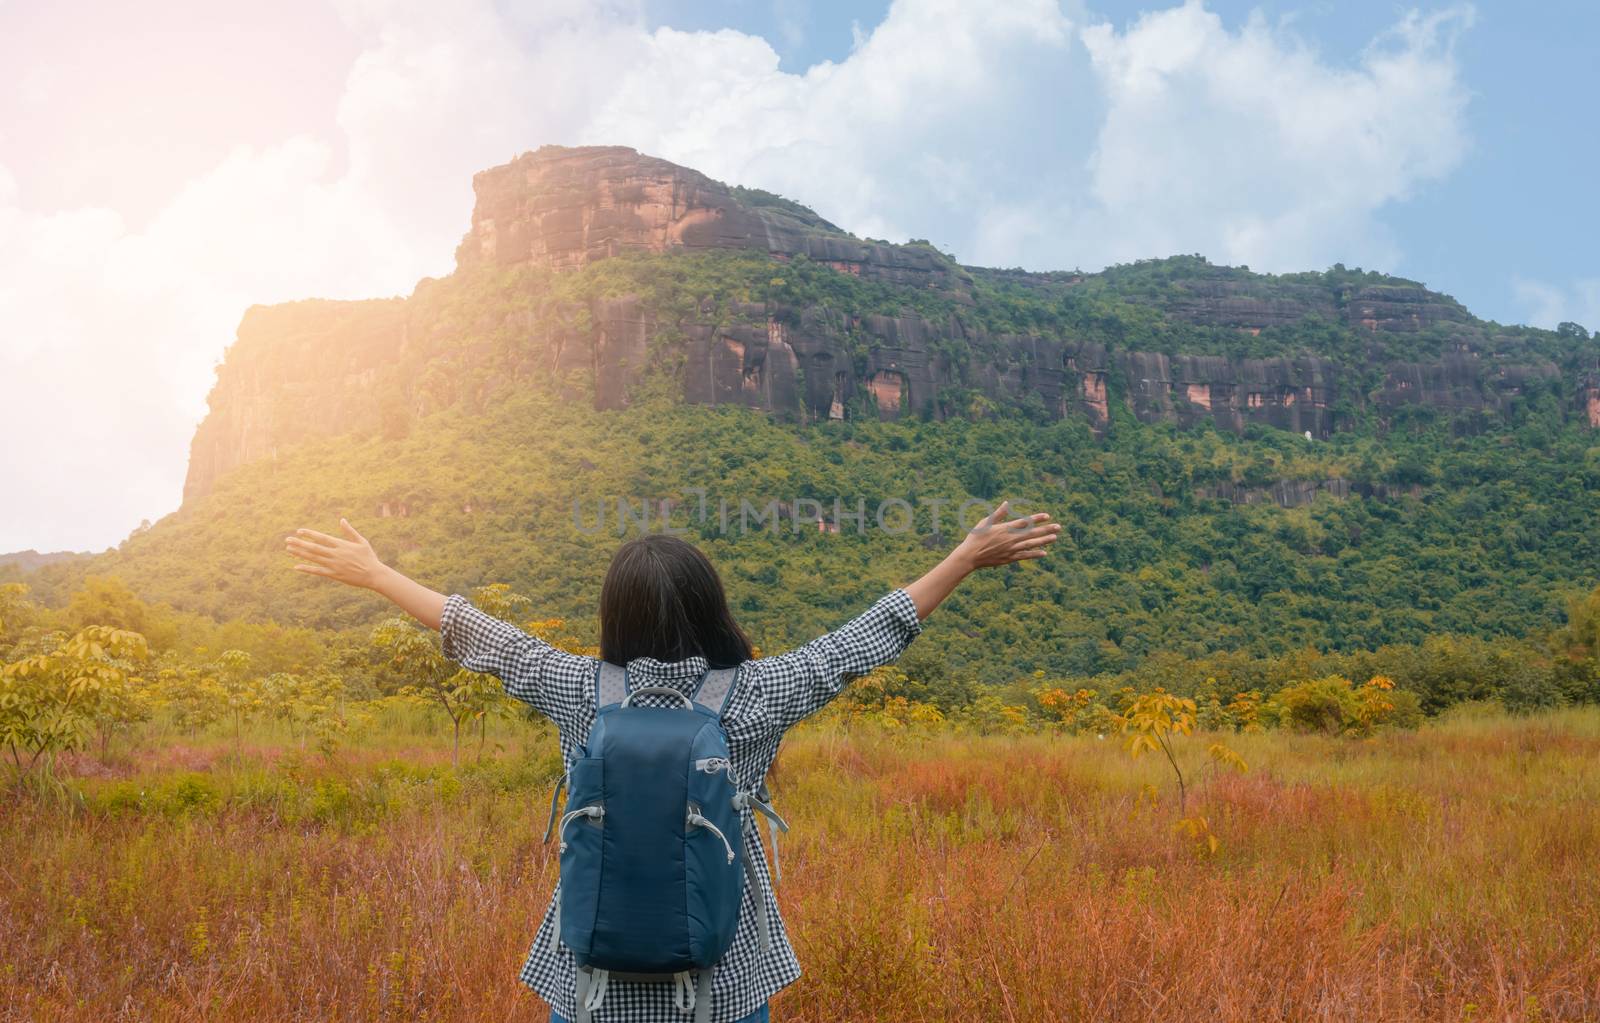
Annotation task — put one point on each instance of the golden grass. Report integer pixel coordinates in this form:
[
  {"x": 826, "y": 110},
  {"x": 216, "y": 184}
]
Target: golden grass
[{"x": 1448, "y": 874}]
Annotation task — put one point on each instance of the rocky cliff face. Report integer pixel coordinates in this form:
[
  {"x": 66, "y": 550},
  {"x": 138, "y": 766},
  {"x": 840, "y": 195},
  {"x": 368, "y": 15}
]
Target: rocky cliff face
[
  {"x": 297, "y": 371},
  {"x": 319, "y": 369},
  {"x": 799, "y": 363},
  {"x": 1212, "y": 296},
  {"x": 562, "y": 208}
]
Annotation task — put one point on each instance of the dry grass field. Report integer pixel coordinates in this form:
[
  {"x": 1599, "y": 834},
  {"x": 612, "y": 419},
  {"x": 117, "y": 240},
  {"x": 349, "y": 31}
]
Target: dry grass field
[{"x": 1443, "y": 874}]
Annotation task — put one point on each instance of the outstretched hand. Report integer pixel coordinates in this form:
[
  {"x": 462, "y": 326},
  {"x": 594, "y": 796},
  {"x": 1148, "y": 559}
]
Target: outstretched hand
[
  {"x": 998, "y": 540},
  {"x": 351, "y": 561}
]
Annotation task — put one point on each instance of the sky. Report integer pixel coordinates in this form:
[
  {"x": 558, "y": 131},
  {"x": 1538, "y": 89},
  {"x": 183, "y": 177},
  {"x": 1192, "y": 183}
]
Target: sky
[{"x": 164, "y": 166}]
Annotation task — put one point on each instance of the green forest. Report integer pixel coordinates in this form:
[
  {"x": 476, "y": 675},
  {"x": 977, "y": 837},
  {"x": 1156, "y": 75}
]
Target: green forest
[
  {"x": 1457, "y": 586},
  {"x": 1449, "y": 552}
]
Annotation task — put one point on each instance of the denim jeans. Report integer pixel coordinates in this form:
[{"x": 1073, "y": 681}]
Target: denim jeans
[{"x": 759, "y": 1016}]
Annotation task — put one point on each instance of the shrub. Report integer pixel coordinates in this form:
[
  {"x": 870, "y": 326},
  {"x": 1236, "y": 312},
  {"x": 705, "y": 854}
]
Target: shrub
[
  {"x": 188, "y": 793},
  {"x": 1333, "y": 705},
  {"x": 1323, "y": 705},
  {"x": 1529, "y": 689}
]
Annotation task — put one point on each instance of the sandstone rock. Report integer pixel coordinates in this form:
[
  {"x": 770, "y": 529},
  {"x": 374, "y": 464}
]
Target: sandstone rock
[
  {"x": 561, "y": 208},
  {"x": 1224, "y": 303},
  {"x": 1400, "y": 308},
  {"x": 296, "y": 371},
  {"x": 1289, "y": 393}
]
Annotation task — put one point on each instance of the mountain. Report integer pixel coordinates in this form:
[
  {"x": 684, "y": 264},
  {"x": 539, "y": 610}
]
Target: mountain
[
  {"x": 18, "y": 563},
  {"x": 601, "y": 264},
  {"x": 622, "y": 329}
]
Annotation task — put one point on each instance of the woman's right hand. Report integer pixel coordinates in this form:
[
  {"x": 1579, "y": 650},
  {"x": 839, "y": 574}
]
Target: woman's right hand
[{"x": 351, "y": 561}]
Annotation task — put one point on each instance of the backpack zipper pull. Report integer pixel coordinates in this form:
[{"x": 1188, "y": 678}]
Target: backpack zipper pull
[
  {"x": 593, "y": 812},
  {"x": 698, "y": 820}
]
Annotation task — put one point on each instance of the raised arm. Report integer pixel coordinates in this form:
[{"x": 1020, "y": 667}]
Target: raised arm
[
  {"x": 796, "y": 684},
  {"x": 531, "y": 670}
]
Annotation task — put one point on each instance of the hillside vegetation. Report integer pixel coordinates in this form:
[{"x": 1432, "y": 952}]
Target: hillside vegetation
[{"x": 1481, "y": 538}]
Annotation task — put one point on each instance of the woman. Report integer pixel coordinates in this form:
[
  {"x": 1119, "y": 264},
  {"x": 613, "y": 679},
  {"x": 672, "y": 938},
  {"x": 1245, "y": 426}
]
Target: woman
[{"x": 663, "y": 614}]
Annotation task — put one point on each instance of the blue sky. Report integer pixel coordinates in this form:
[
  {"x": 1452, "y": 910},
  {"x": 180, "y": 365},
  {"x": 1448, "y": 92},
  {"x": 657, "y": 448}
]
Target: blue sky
[
  {"x": 1524, "y": 203},
  {"x": 163, "y": 167}
]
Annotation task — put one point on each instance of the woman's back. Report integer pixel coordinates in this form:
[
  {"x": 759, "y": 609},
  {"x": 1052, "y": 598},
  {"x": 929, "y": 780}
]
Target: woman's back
[{"x": 770, "y": 695}]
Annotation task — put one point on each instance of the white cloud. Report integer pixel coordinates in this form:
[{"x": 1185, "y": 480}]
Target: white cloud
[
  {"x": 944, "y": 114},
  {"x": 1012, "y": 136},
  {"x": 108, "y": 337},
  {"x": 1246, "y": 146},
  {"x": 1550, "y": 304},
  {"x": 1012, "y": 133}
]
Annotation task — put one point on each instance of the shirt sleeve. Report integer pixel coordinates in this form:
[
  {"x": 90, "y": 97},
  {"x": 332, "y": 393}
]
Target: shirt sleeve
[
  {"x": 798, "y": 683},
  {"x": 547, "y": 678}
]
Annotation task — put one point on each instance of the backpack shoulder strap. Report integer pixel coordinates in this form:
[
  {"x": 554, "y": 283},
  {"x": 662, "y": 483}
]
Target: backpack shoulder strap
[
  {"x": 610, "y": 685},
  {"x": 715, "y": 690}
]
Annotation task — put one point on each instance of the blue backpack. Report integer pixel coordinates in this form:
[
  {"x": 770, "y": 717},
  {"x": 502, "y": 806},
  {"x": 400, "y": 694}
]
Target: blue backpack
[{"x": 652, "y": 869}]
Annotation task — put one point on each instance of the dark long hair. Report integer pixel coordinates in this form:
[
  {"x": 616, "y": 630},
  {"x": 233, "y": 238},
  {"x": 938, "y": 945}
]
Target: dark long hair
[{"x": 661, "y": 598}]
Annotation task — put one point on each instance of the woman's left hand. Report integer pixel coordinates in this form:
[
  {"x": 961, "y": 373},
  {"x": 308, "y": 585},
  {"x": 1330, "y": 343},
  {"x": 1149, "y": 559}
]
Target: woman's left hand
[
  {"x": 351, "y": 561},
  {"x": 1000, "y": 541}
]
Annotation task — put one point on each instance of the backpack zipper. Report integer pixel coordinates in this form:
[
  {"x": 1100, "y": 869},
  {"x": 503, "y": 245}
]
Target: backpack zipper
[
  {"x": 711, "y": 765},
  {"x": 697, "y": 820}
]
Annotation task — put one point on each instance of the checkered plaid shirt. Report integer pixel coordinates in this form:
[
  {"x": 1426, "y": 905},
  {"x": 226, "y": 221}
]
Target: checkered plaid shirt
[{"x": 772, "y": 694}]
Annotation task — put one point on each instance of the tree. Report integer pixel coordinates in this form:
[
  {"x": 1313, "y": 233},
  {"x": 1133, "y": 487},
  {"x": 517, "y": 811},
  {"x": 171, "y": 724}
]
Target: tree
[
  {"x": 107, "y": 600},
  {"x": 1152, "y": 720},
  {"x": 240, "y": 691},
  {"x": 309, "y": 704},
  {"x": 415, "y": 654},
  {"x": 1244, "y": 711},
  {"x": 482, "y": 697},
  {"x": 501, "y": 601},
  {"x": 49, "y": 700},
  {"x": 123, "y": 703},
  {"x": 559, "y": 634},
  {"x": 191, "y": 693},
  {"x": 1069, "y": 711},
  {"x": 990, "y": 715},
  {"x": 1323, "y": 705},
  {"x": 17, "y": 612},
  {"x": 1333, "y": 705},
  {"x": 1580, "y": 640}
]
